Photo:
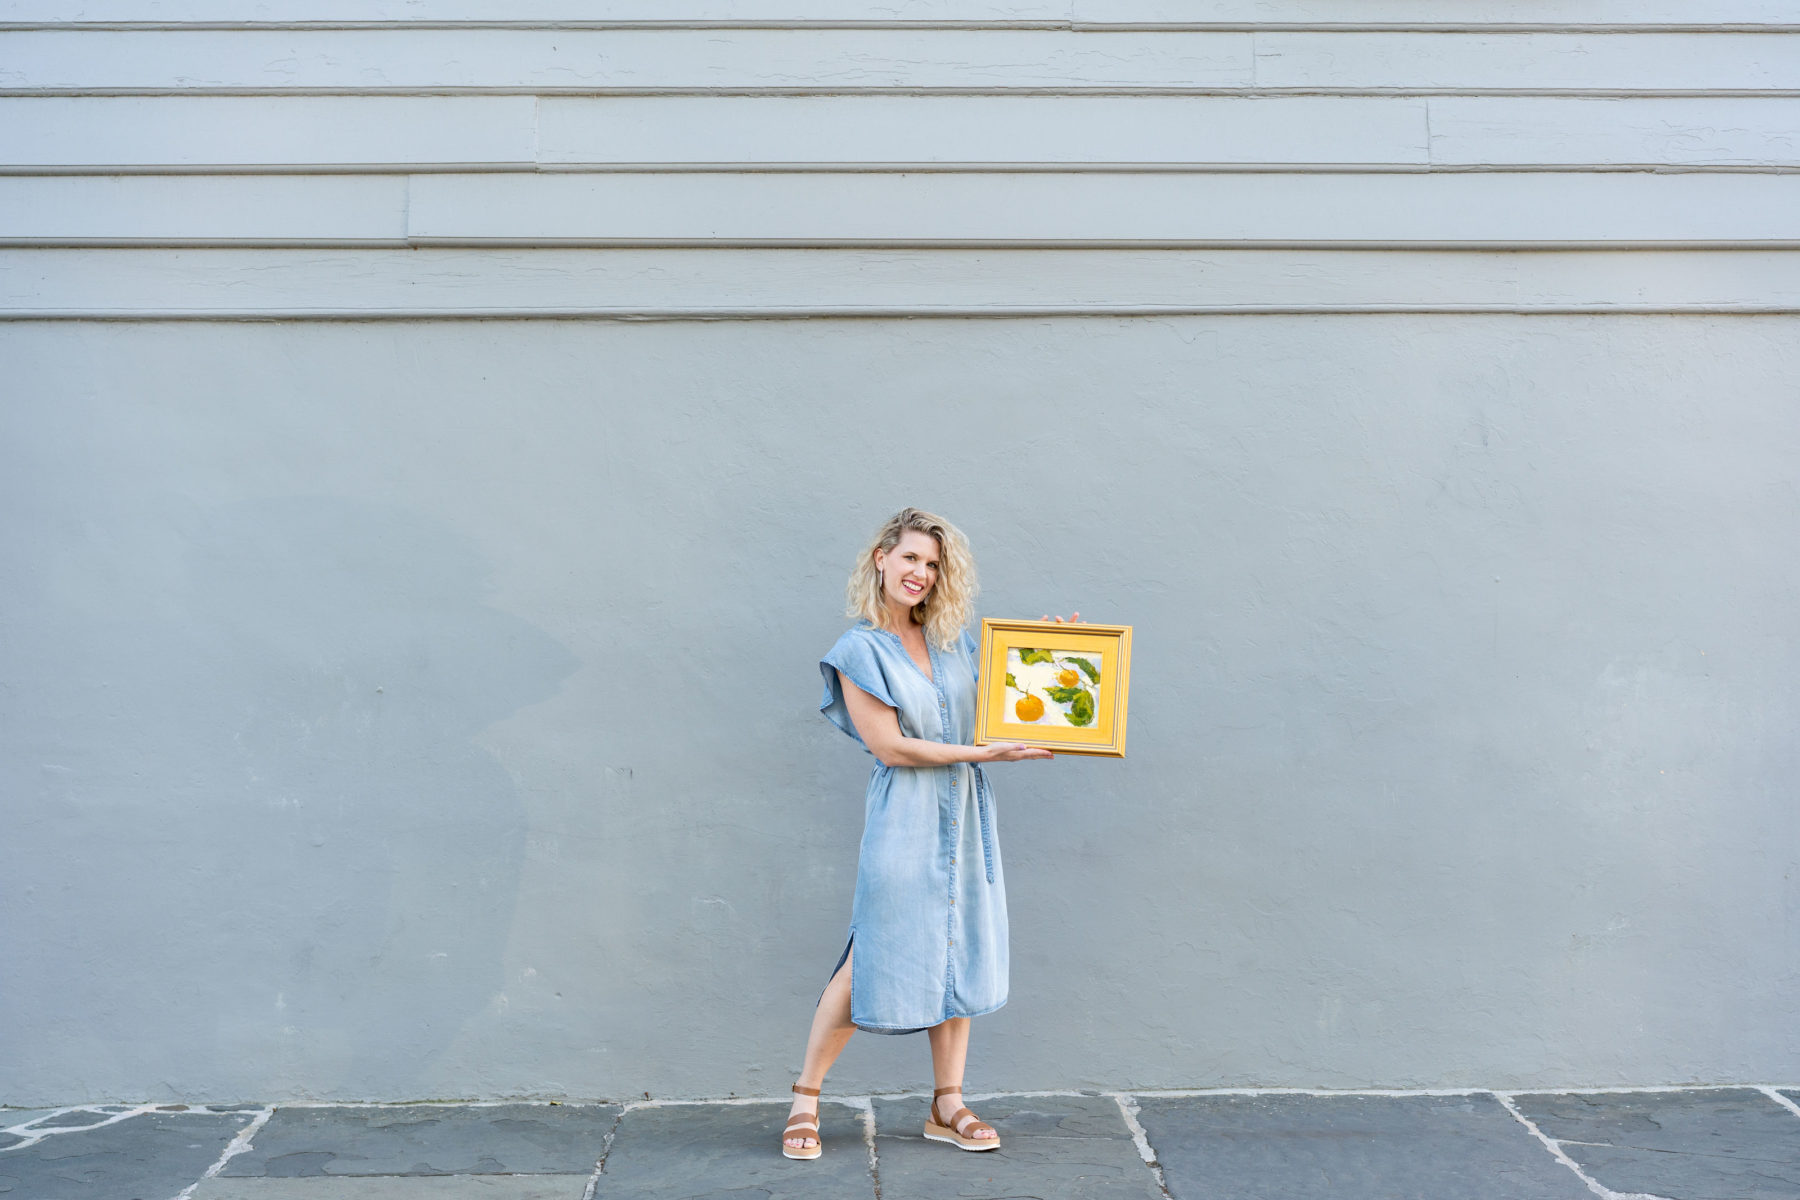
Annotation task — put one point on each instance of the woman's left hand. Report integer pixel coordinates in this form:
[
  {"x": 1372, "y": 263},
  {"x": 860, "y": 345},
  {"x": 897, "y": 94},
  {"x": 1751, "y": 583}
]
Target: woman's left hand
[
  {"x": 1074, "y": 619},
  {"x": 1011, "y": 752}
]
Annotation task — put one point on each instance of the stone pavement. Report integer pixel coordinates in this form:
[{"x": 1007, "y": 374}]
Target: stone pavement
[{"x": 1728, "y": 1143}]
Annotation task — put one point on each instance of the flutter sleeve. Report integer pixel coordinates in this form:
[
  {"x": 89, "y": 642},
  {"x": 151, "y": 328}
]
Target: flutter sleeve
[{"x": 855, "y": 656}]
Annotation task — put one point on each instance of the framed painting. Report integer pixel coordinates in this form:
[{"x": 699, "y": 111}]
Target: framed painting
[{"x": 1063, "y": 687}]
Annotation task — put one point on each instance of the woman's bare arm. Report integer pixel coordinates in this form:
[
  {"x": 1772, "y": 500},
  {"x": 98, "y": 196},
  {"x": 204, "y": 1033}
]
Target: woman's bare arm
[{"x": 879, "y": 727}]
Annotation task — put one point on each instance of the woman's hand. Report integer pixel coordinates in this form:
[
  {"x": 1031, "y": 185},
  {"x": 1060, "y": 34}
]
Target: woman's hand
[
  {"x": 1011, "y": 752},
  {"x": 1074, "y": 619}
]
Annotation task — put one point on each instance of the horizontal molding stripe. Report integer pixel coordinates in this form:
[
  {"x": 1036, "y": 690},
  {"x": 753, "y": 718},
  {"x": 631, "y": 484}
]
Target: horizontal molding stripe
[
  {"x": 1653, "y": 12},
  {"x": 424, "y": 59},
  {"x": 1469, "y": 131},
  {"x": 498, "y": 130},
  {"x": 283, "y": 283},
  {"x": 1312, "y": 130},
  {"x": 1650, "y": 60},
  {"x": 845, "y": 208},
  {"x": 224, "y": 207},
  {"x": 893, "y": 168},
  {"x": 828, "y": 92},
  {"x": 565, "y": 244},
  {"x": 1784, "y": 25},
  {"x": 863, "y": 313},
  {"x": 1156, "y": 207}
]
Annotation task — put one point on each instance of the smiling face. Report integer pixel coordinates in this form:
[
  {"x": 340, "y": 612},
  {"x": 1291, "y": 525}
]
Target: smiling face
[{"x": 909, "y": 571}]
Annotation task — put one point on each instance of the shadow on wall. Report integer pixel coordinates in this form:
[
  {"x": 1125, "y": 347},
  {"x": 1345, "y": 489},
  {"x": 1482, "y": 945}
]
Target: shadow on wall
[{"x": 266, "y": 758}]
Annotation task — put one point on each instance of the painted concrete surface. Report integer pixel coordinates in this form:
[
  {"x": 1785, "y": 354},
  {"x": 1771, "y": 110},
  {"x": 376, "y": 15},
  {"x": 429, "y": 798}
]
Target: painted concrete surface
[
  {"x": 1729, "y": 1144},
  {"x": 439, "y": 700},
  {"x": 1696, "y": 1144},
  {"x": 504, "y": 1139},
  {"x": 433, "y": 699}
]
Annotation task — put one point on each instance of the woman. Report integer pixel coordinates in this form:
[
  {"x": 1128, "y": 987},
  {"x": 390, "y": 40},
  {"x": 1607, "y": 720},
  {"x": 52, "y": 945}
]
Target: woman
[{"x": 927, "y": 947}]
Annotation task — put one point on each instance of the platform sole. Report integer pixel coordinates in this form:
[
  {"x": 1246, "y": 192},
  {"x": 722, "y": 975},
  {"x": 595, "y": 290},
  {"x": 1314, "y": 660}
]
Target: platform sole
[{"x": 937, "y": 1133}]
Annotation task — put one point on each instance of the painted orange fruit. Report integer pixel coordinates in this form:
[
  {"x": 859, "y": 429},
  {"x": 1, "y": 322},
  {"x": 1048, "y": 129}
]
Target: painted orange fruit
[
  {"x": 1067, "y": 678},
  {"x": 1029, "y": 708}
]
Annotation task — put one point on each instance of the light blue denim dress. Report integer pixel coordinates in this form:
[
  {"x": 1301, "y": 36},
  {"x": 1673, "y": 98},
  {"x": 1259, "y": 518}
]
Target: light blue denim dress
[{"x": 929, "y": 920}]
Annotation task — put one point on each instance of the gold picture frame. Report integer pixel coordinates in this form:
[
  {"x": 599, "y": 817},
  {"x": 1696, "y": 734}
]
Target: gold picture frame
[{"x": 1056, "y": 685}]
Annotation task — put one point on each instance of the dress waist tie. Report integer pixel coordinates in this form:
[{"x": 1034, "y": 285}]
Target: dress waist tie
[{"x": 982, "y": 803}]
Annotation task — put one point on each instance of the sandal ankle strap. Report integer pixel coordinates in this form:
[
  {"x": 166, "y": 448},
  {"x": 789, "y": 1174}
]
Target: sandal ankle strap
[
  {"x": 947, "y": 1091},
  {"x": 806, "y": 1091}
]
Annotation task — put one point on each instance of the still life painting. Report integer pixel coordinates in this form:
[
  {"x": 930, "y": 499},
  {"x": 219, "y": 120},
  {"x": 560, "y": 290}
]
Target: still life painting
[
  {"x": 1044, "y": 686},
  {"x": 1053, "y": 684}
]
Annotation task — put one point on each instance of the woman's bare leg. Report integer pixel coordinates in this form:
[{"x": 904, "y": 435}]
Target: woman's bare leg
[
  {"x": 831, "y": 1030},
  {"x": 949, "y": 1053}
]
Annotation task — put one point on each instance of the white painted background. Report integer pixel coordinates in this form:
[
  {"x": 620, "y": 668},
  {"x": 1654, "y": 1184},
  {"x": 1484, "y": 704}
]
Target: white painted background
[{"x": 1536, "y": 262}]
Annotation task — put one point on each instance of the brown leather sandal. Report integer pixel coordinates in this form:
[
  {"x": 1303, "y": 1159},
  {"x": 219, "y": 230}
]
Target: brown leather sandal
[
  {"x": 948, "y": 1133},
  {"x": 805, "y": 1125}
]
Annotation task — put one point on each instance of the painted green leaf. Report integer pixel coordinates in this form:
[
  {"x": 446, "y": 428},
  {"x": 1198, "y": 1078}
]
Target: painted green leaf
[
  {"x": 1087, "y": 668},
  {"x": 1063, "y": 695},
  {"x": 1029, "y": 657},
  {"x": 1081, "y": 709},
  {"x": 1011, "y": 682}
]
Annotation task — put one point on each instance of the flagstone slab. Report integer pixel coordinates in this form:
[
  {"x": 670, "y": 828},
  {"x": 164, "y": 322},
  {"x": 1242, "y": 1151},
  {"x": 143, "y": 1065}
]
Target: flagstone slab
[
  {"x": 1297, "y": 1147},
  {"x": 711, "y": 1151},
  {"x": 1067, "y": 1147},
  {"x": 78, "y": 1118},
  {"x": 398, "y": 1187},
  {"x": 1700, "y": 1144},
  {"x": 152, "y": 1156},
  {"x": 428, "y": 1139}
]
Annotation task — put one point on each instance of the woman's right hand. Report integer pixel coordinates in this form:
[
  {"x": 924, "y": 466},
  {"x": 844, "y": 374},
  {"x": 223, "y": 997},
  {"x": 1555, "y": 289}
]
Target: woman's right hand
[{"x": 1011, "y": 752}]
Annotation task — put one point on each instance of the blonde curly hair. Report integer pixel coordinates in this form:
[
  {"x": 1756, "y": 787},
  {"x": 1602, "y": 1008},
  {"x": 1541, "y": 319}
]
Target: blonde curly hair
[{"x": 946, "y": 609}]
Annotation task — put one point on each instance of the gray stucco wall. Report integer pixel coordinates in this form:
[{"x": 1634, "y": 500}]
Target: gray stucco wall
[{"x": 409, "y": 710}]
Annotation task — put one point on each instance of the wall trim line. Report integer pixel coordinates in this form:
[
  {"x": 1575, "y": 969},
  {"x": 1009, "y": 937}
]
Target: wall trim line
[
  {"x": 380, "y": 243},
  {"x": 1245, "y": 92},
  {"x": 520, "y": 167},
  {"x": 1024, "y": 25},
  {"x": 854, "y": 312}
]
